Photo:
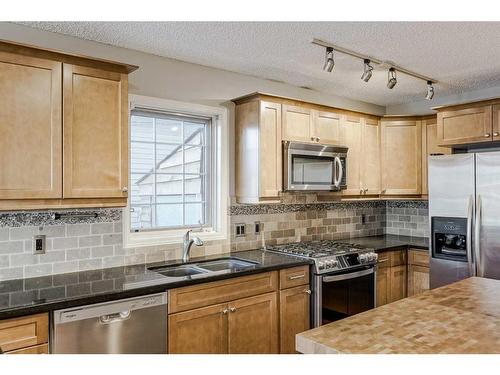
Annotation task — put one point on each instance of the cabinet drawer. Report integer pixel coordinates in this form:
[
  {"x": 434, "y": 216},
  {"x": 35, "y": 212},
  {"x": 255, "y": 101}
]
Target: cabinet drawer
[
  {"x": 295, "y": 276},
  {"x": 418, "y": 258},
  {"x": 398, "y": 258},
  {"x": 210, "y": 293},
  {"x": 384, "y": 259},
  {"x": 37, "y": 349},
  {"x": 23, "y": 332}
]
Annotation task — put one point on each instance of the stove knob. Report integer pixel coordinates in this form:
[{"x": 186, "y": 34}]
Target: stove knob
[
  {"x": 321, "y": 265},
  {"x": 362, "y": 258}
]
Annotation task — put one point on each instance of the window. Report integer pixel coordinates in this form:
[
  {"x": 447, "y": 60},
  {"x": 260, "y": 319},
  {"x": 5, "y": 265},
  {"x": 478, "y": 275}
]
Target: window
[
  {"x": 176, "y": 175},
  {"x": 169, "y": 170}
]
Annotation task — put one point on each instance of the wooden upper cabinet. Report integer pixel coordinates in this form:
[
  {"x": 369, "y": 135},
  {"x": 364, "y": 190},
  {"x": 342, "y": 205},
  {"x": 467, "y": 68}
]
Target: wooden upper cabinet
[
  {"x": 465, "y": 125},
  {"x": 95, "y": 133},
  {"x": 253, "y": 325},
  {"x": 430, "y": 147},
  {"x": 370, "y": 157},
  {"x": 258, "y": 169},
  {"x": 496, "y": 122},
  {"x": 326, "y": 127},
  {"x": 297, "y": 123},
  {"x": 30, "y": 127},
  {"x": 401, "y": 157},
  {"x": 351, "y": 137}
]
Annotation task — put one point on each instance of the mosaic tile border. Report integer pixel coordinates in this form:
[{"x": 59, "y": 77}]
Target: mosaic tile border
[
  {"x": 408, "y": 204},
  {"x": 44, "y": 218}
]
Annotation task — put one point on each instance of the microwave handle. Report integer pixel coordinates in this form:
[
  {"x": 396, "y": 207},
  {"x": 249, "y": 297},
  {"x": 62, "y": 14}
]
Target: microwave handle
[{"x": 338, "y": 168}]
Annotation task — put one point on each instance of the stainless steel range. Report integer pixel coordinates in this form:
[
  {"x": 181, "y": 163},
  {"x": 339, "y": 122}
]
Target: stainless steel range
[{"x": 343, "y": 277}]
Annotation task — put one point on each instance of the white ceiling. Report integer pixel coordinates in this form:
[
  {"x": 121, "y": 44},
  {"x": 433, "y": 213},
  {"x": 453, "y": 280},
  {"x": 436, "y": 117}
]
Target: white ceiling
[{"x": 462, "y": 56}]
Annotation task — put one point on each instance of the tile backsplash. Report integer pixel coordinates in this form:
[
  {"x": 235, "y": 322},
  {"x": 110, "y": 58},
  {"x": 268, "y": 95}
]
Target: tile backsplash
[{"x": 85, "y": 243}]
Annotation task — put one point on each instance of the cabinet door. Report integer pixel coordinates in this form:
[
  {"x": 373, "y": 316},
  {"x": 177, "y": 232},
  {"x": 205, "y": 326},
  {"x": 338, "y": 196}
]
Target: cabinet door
[
  {"x": 401, "y": 157},
  {"x": 469, "y": 125},
  {"x": 418, "y": 279},
  {"x": 496, "y": 122},
  {"x": 430, "y": 147},
  {"x": 397, "y": 283},
  {"x": 370, "y": 157},
  {"x": 326, "y": 127},
  {"x": 270, "y": 150},
  {"x": 297, "y": 122},
  {"x": 383, "y": 285},
  {"x": 253, "y": 325},
  {"x": 351, "y": 136},
  {"x": 199, "y": 331},
  {"x": 294, "y": 316},
  {"x": 38, "y": 349},
  {"x": 95, "y": 133},
  {"x": 30, "y": 127}
]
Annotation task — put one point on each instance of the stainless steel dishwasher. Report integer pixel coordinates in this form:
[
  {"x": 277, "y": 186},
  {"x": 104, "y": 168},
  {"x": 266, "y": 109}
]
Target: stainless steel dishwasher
[{"x": 129, "y": 326}]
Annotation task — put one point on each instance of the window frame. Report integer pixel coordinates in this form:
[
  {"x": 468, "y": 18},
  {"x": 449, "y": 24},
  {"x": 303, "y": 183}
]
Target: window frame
[{"x": 219, "y": 180}]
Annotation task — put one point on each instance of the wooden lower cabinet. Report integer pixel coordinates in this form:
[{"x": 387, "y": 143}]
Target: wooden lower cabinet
[
  {"x": 294, "y": 316},
  {"x": 199, "y": 331},
  {"x": 22, "y": 335},
  {"x": 383, "y": 286},
  {"x": 398, "y": 283},
  {"x": 37, "y": 349},
  {"x": 418, "y": 279},
  {"x": 253, "y": 325}
]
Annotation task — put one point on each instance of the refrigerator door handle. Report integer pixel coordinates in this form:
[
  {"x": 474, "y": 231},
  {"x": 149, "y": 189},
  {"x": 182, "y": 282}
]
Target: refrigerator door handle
[
  {"x": 477, "y": 235},
  {"x": 472, "y": 271}
]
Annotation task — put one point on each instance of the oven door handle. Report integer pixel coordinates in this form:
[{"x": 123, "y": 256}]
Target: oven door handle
[
  {"x": 347, "y": 276},
  {"x": 338, "y": 168}
]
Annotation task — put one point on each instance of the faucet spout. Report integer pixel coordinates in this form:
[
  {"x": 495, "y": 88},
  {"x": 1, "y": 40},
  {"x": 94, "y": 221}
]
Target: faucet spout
[{"x": 187, "y": 243}]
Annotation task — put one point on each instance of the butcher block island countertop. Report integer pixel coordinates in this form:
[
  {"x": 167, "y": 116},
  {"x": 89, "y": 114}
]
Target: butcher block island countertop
[{"x": 463, "y": 317}]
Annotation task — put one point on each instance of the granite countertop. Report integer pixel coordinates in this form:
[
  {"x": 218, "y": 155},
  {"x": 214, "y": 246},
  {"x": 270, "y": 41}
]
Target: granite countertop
[
  {"x": 463, "y": 317},
  {"x": 392, "y": 242},
  {"x": 46, "y": 293}
]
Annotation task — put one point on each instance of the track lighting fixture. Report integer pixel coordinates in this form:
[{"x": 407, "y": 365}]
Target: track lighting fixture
[
  {"x": 430, "y": 91},
  {"x": 367, "y": 73},
  {"x": 391, "y": 78},
  {"x": 329, "y": 63}
]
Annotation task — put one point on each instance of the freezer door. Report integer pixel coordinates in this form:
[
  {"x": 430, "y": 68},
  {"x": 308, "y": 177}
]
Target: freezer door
[
  {"x": 487, "y": 246},
  {"x": 451, "y": 195}
]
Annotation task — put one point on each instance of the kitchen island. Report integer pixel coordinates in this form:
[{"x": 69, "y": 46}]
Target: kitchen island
[{"x": 463, "y": 317}]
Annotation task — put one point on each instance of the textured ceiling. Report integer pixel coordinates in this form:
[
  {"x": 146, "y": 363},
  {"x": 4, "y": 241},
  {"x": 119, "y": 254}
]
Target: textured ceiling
[{"x": 462, "y": 56}]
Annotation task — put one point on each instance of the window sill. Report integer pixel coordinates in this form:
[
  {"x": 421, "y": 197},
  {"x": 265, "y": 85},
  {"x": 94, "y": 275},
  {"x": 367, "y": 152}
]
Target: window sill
[{"x": 158, "y": 238}]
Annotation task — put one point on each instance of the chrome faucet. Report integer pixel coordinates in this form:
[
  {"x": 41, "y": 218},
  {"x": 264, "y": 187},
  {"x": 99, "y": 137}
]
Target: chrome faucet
[{"x": 187, "y": 243}]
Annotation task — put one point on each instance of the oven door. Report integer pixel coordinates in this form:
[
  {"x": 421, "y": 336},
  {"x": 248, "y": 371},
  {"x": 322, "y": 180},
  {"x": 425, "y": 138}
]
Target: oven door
[
  {"x": 314, "y": 167},
  {"x": 341, "y": 295}
]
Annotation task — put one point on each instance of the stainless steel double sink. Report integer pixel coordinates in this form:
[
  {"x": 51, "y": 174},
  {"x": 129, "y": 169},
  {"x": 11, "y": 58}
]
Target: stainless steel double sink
[{"x": 220, "y": 265}]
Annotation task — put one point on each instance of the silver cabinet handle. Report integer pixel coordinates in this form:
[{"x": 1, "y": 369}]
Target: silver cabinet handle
[
  {"x": 382, "y": 260},
  {"x": 487, "y": 135},
  {"x": 308, "y": 291},
  {"x": 296, "y": 277},
  {"x": 224, "y": 311},
  {"x": 125, "y": 189},
  {"x": 232, "y": 309}
]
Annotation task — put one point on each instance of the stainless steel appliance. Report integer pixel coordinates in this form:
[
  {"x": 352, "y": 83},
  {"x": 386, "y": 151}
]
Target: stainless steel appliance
[
  {"x": 312, "y": 167},
  {"x": 129, "y": 326},
  {"x": 343, "y": 277},
  {"x": 464, "y": 213}
]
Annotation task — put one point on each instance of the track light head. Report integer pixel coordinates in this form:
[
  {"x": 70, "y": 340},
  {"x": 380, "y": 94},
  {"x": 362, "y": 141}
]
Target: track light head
[
  {"x": 430, "y": 91},
  {"x": 329, "y": 62},
  {"x": 391, "y": 78},
  {"x": 367, "y": 73}
]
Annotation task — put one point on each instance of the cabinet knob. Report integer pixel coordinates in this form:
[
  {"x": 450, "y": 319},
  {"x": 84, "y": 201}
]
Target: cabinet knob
[
  {"x": 366, "y": 190},
  {"x": 487, "y": 135},
  {"x": 232, "y": 309},
  {"x": 317, "y": 139},
  {"x": 496, "y": 134},
  {"x": 308, "y": 291},
  {"x": 360, "y": 191},
  {"x": 312, "y": 138},
  {"x": 383, "y": 191},
  {"x": 224, "y": 311},
  {"x": 124, "y": 189}
]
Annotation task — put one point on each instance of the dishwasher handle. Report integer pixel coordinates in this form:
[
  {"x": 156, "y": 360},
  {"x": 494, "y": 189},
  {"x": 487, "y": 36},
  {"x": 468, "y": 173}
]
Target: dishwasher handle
[{"x": 116, "y": 317}]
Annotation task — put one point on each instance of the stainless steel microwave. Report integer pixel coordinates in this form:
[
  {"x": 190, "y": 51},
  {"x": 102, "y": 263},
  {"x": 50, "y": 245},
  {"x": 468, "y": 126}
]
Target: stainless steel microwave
[{"x": 314, "y": 167}]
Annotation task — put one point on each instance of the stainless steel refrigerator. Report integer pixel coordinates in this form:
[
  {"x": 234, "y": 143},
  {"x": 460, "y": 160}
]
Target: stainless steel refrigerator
[{"x": 464, "y": 216}]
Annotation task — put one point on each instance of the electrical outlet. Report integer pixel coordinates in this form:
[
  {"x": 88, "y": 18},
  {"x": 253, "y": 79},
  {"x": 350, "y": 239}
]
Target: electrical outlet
[
  {"x": 240, "y": 230},
  {"x": 258, "y": 227},
  {"x": 363, "y": 218},
  {"x": 39, "y": 244}
]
